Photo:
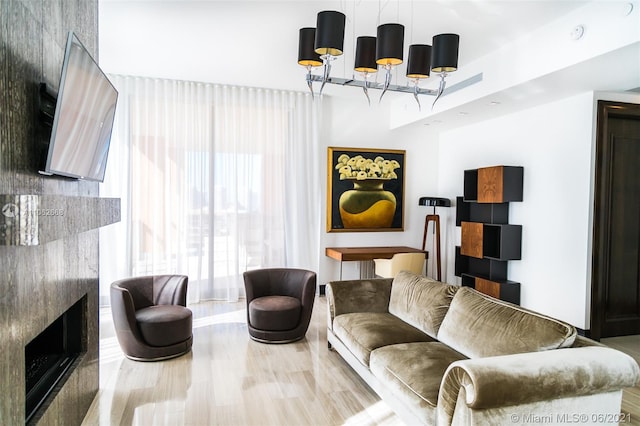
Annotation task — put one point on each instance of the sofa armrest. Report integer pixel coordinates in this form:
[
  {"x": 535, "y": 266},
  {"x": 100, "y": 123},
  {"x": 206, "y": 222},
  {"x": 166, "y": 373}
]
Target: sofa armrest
[
  {"x": 582, "y": 342},
  {"x": 345, "y": 297},
  {"x": 509, "y": 380}
]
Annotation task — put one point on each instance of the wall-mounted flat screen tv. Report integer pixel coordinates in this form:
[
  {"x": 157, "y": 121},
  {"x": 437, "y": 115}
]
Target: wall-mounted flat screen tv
[{"x": 83, "y": 119}]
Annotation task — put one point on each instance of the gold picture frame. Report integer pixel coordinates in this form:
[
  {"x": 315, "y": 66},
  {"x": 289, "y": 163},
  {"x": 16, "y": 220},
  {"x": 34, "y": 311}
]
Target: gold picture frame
[{"x": 365, "y": 189}]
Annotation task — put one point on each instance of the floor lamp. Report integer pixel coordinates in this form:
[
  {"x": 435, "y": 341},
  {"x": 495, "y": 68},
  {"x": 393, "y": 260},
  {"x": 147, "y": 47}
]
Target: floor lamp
[{"x": 434, "y": 202}]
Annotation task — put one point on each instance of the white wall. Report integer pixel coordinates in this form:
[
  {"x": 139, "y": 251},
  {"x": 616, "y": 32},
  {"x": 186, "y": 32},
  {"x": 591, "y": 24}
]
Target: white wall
[
  {"x": 553, "y": 143},
  {"x": 353, "y": 124}
]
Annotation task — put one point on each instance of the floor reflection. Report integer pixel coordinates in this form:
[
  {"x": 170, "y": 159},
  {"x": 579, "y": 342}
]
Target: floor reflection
[
  {"x": 153, "y": 384},
  {"x": 229, "y": 379}
]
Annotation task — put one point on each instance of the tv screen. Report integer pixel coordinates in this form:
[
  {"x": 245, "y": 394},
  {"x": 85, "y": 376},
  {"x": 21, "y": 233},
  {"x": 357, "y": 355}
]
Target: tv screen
[{"x": 83, "y": 118}]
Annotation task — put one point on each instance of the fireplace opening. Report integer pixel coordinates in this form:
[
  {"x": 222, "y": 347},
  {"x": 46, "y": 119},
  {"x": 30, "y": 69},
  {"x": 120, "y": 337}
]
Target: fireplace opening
[{"x": 51, "y": 355}]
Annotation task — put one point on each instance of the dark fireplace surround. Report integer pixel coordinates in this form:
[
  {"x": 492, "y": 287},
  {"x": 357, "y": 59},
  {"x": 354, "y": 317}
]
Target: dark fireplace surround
[
  {"x": 61, "y": 267},
  {"x": 51, "y": 357}
]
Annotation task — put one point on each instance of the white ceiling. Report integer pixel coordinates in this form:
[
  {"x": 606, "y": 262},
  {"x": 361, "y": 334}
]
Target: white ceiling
[{"x": 254, "y": 43}]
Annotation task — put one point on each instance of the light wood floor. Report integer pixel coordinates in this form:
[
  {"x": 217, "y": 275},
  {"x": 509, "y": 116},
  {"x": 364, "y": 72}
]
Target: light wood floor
[{"x": 229, "y": 379}]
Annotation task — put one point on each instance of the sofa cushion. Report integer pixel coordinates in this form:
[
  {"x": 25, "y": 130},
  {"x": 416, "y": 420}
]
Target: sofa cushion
[
  {"x": 420, "y": 301},
  {"x": 477, "y": 326},
  {"x": 363, "y": 332},
  {"x": 413, "y": 372}
]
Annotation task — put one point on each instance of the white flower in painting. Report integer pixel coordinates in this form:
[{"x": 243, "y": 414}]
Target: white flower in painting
[
  {"x": 343, "y": 159},
  {"x": 345, "y": 172},
  {"x": 362, "y": 168}
]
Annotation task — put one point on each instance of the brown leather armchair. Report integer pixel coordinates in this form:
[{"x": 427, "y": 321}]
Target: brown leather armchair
[
  {"x": 151, "y": 319},
  {"x": 279, "y": 303}
]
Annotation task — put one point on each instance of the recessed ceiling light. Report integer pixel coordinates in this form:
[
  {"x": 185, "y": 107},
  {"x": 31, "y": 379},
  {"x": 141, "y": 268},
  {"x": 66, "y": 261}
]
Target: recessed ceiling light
[
  {"x": 463, "y": 113},
  {"x": 577, "y": 32},
  {"x": 494, "y": 103}
]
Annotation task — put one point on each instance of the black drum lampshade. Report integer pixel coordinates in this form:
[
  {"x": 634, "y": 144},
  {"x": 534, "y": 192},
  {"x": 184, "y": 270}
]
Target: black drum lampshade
[
  {"x": 366, "y": 55},
  {"x": 330, "y": 33},
  {"x": 307, "y": 56},
  {"x": 445, "y": 53},
  {"x": 419, "y": 61},
  {"x": 389, "y": 44}
]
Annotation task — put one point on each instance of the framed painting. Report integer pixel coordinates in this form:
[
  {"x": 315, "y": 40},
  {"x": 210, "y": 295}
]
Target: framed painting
[{"x": 365, "y": 189}]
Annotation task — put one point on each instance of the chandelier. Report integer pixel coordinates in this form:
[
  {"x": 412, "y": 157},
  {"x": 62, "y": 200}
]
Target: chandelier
[{"x": 321, "y": 45}]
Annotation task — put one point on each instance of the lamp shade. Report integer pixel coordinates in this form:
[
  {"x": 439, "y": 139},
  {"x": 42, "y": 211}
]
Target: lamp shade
[
  {"x": 307, "y": 56},
  {"x": 445, "y": 53},
  {"x": 389, "y": 44},
  {"x": 419, "y": 61},
  {"x": 330, "y": 33},
  {"x": 366, "y": 55},
  {"x": 434, "y": 201}
]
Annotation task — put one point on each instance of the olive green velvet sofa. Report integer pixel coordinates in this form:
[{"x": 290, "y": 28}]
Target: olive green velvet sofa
[{"x": 443, "y": 354}]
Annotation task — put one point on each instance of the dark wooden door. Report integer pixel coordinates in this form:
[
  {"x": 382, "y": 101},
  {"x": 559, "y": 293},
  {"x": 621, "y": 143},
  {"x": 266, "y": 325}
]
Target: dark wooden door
[{"x": 615, "y": 309}]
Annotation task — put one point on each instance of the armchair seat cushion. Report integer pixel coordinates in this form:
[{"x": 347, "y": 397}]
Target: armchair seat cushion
[
  {"x": 164, "y": 325},
  {"x": 275, "y": 313}
]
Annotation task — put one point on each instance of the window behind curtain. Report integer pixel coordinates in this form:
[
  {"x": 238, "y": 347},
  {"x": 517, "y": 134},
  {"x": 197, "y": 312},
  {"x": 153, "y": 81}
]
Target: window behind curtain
[{"x": 201, "y": 171}]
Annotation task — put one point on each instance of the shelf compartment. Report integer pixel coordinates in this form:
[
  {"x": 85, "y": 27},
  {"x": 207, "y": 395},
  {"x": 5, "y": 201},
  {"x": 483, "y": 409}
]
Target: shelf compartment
[
  {"x": 509, "y": 291},
  {"x": 495, "y": 270},
  {"x": 502, "y": 242},
  {"x": 491, "y": 241},
  {"x": 498, "y": 184},
  {"x": 463, "y": 211},
  {"x": 461, "y": 263},
  {"x": 487, "y": 213},
  {"x": 468, "y": 281},
  {"x": 506, "y": 290},
  {"x": 470, "y": 185}
]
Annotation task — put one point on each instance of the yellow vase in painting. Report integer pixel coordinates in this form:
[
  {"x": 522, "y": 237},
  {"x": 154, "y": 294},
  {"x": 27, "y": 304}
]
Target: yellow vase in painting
[{"x": 367, "y": 205}]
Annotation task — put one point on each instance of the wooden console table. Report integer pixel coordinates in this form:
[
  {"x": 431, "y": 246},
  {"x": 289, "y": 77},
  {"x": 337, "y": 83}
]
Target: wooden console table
[{"x": 347, "y": 254}]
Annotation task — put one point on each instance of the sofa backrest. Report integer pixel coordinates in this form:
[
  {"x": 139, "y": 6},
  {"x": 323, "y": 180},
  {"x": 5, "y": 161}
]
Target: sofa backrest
[
  {"x": 478, "y": 326},
  {"x": 420, "y": 301}
]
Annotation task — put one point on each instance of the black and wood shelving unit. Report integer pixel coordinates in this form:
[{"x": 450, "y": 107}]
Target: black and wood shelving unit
[{"x": 488, "y": 241}]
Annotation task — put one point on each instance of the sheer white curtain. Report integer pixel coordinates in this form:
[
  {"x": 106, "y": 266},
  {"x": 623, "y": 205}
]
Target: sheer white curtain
[{"x": 214, "y": 180}]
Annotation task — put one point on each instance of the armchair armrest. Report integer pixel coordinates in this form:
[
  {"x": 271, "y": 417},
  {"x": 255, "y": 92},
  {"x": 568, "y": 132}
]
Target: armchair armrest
[
  {"x": 124, "y": 311},
  {"x": 350, "y": 296},
  {"x": 509, "y": 380}
]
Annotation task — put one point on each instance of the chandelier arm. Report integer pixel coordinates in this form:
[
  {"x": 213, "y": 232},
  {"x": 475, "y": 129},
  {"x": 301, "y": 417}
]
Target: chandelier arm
[
  {"x": 310, "y": 82},
  {"x": 415, "y": 95},
  {"x": 387, "y": 81},
  {"x": 366, "y": 93},
  {"x": 443, "y": 83},
  {"x": 327, "y": 71}
]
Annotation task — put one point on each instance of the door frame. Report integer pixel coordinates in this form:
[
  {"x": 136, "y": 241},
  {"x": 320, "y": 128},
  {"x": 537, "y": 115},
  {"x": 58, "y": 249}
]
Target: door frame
[{"x": 599, "y": 266}]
